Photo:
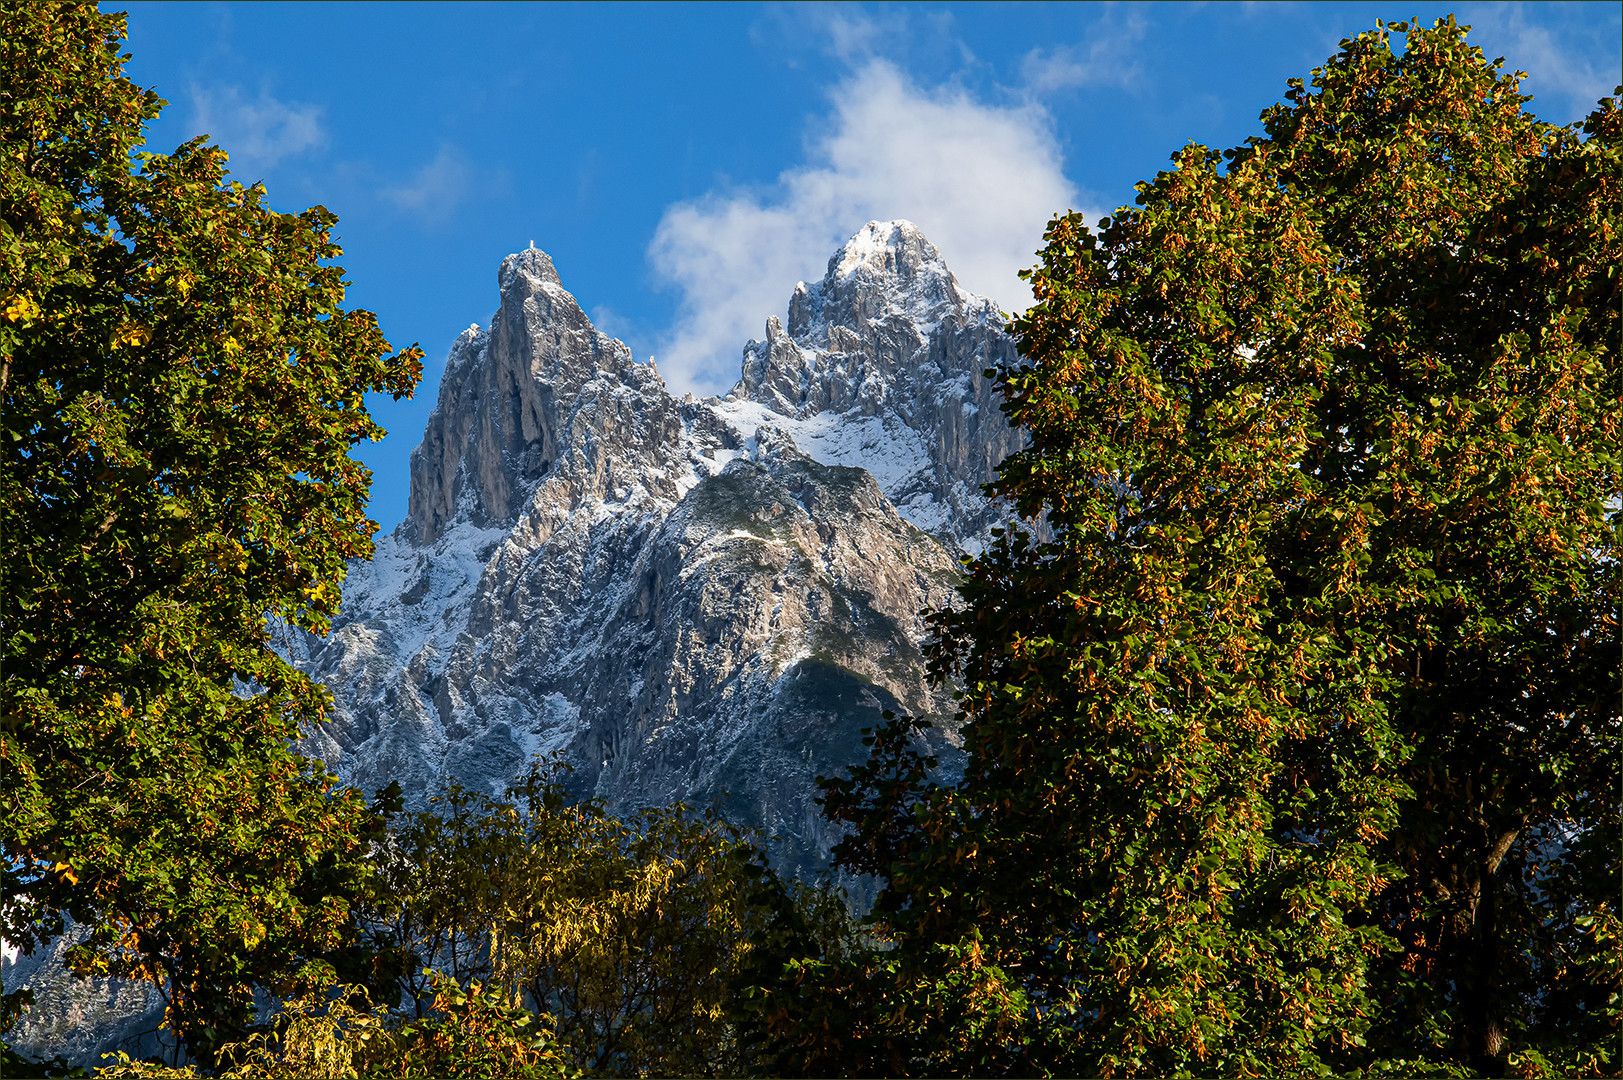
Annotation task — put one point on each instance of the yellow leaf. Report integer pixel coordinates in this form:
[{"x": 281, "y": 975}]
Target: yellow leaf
[
  {"x": 22, "y": 307},
  {"x": 132, "y": 334}
]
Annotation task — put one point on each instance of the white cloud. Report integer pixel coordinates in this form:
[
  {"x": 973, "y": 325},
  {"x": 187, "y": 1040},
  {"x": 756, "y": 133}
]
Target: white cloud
[
  {"x": 258, "y": 133},
  {"x": 1108, "y": 57},
  {"x": 854, "y": 35},
  {"x": 434, "y": 190},
  {"x": 857, "y": 34},
  {"x": 980, "y": 180},
  {"x": 1569, "y": 63}
]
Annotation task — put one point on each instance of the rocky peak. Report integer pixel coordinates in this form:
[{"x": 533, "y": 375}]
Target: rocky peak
[
  {"x": 532, "y": 263},
  {"x": 866, "y": 336},
  {"x": 888, "y": 270},
  {"x": 497, "y": 429},
  {"x": 890, "y": 346}
]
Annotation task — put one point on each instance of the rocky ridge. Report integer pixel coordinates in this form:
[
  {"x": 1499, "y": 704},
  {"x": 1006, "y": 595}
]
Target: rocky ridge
[{"x": 682, "y": 598}]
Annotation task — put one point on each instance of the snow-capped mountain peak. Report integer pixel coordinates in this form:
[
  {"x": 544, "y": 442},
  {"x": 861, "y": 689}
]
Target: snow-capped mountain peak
[
  {"x": 681, "y": 597},
  {"x": 894, "y": 251},
  {"x": 887, "y": 270},
  {"x": 882, "y": 366},
  {"x": 531, "y": 262}
]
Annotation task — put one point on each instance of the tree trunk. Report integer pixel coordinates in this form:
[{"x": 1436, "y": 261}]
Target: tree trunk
[{"x": 1481, "y": 1004}]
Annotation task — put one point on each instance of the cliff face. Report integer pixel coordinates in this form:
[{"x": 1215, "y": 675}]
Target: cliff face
[
  {"x": 684, "y": 599},
  {"x": 79, "y": 1020},
  {"x": 538, "y": 394}
]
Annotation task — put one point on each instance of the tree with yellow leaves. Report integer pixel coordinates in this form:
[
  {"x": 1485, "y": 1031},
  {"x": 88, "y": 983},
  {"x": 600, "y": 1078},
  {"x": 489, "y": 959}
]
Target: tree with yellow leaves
[{"x": 641, "y": 940}]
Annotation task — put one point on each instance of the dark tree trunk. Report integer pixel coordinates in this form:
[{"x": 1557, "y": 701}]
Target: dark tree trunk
[{"x": 1477, "y": 967}]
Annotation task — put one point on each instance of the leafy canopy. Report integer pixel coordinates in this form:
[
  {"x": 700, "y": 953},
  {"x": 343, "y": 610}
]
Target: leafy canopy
[
  {"x": 1297, "y": 748},
  {"x": 638, "y": 941},
  {"x": 181, "y": 389},
  {"x": 335, "y": 1033},
  {"x": 535, "y": 937}
]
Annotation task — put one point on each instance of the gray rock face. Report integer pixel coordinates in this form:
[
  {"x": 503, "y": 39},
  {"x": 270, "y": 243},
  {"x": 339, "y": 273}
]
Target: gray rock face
[
  {"x": 686, "y": 600},
  {"x": 82, "y": 1019}
]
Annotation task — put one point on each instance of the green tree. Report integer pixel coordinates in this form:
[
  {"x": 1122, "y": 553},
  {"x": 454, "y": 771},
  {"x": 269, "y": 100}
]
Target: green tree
[
  {"x": 181, "y": 387},
  {"x": 641, "y": 939},
  {"x": 1297, "y": 749},
  {"x": 334, "y": 1032}
]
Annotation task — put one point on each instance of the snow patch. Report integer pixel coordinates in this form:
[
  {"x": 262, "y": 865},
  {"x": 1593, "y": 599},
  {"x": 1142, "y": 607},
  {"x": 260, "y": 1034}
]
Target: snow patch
[
  {"x": 886, "y": 447},
  {"x": 555, "y": 725}
]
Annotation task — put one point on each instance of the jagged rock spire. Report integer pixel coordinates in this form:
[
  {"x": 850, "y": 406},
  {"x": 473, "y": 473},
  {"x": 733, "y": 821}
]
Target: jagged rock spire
[
  {"x": 495, "y": 432},
  {"x": 887, "y": 270}
]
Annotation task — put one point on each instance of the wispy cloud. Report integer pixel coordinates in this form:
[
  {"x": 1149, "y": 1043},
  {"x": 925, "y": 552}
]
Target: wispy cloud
[
  {"x": 854, "y": 34},
  {"x": 981, "y": 180},
  {"x": 259, "y": 132},
  {"x": 1573, "y": 65},
  {"x": 1107, "y": 56},
  {"x": 433, "y": 191}
]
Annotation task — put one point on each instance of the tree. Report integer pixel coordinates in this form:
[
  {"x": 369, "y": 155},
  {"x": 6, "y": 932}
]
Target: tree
[
  {"x": 638, "y": 939},
  {"x": 181, "y": 388},
  {"x": 1297, "y": 749},
  {"x": 334, "y": 1032}
]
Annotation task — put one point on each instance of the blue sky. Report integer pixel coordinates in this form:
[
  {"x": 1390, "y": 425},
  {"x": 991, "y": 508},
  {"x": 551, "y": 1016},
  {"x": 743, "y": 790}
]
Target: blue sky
[{"x": 685, "y": 165}]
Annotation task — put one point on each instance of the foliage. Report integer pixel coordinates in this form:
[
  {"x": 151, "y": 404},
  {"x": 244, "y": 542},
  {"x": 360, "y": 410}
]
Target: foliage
[
  {"x": 568, "y": 940},
  {"x": 637, "y": 936},
  {"x": 884, "y": 1004},
  {"x": 1296, "y": 750},
  {"x": 335, "y": 1032},
  {"x": 476, "y": 1034},
  {"x": 181, "y": 389}
]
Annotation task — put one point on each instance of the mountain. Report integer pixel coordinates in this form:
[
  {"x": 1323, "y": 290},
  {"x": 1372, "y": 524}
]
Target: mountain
[
  {"x": 76, "y": 1019},
  {"x": 685, "y": 599}
]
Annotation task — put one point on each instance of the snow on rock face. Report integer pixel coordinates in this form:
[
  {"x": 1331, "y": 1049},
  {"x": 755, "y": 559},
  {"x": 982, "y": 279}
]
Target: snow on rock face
[
  {"x": 883, "y": 366},
  {"x": 682, "y": 599},
  {"x": 81, "y": 1019}
]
